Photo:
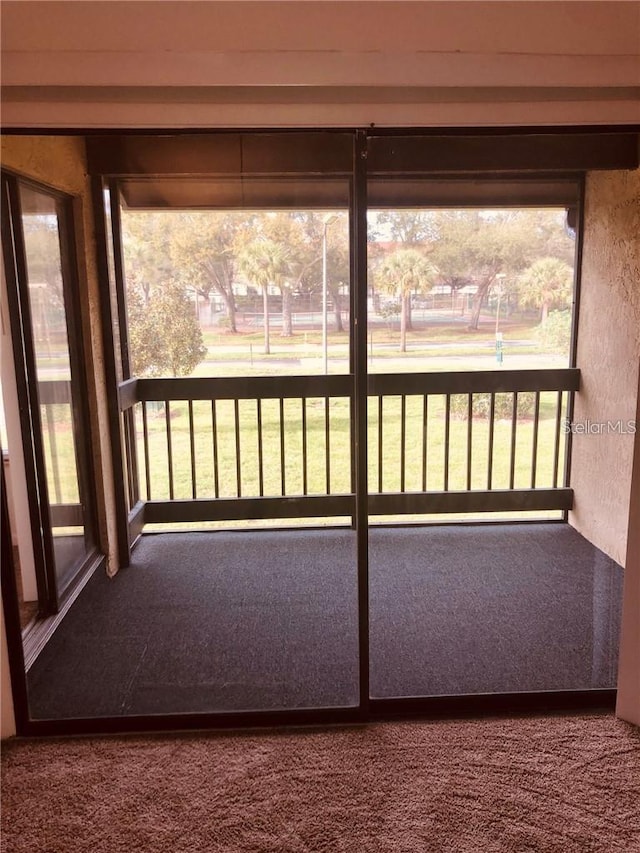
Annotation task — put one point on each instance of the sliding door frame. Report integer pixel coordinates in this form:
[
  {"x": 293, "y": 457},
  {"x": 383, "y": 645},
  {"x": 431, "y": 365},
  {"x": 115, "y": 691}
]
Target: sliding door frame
[
  {"x": 486, "y": 152},
  {"x": 30, "y": 421},
  {"x": 359, "y": 447},
  {"x": 51, "y": 595}
]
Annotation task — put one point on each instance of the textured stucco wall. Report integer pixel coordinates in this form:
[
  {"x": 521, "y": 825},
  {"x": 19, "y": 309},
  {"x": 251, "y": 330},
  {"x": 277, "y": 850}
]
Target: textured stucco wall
[
  {"x": 609, "y": 358},
  {"x": 60, "y": 162}
]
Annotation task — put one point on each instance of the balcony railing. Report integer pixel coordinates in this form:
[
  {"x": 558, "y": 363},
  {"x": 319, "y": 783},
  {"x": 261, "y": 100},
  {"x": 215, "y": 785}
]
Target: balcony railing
[
  {"x": 60, "y": 453},
  {"x": 201, "y": 449}
]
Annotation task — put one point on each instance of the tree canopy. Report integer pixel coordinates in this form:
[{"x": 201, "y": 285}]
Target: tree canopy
[
  {"x": 547, "y": 283},
  {"x": 180, "y": 260},
  {"x": 473, "y": 247},
  {"x": 203, "y": 252}
]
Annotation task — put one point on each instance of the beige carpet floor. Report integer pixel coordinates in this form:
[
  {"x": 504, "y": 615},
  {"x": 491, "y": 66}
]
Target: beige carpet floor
[{"x": 560, "y": 784}]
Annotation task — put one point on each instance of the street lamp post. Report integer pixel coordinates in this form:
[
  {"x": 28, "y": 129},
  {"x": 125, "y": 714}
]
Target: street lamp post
[
  {"x": 325, "y": 355},
  {"x": 501, "y": 277},
  {"x": 499, "y": 348}
]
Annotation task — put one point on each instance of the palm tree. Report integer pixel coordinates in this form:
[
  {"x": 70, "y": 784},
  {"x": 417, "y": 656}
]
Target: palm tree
[
  {"x": 547, "y": 282},
  {"x": 264, "y": 263},
  {"x": 401, "y": 273}
]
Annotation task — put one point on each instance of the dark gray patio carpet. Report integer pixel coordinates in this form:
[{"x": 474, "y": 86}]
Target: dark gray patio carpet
[{"x": 205, "y": 622}]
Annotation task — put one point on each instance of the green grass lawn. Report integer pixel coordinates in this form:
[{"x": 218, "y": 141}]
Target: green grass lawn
[
  {"x": 383, "y": 333},
  {"x": 429, "y": 347},
  {"x": 59, "y": 453}
]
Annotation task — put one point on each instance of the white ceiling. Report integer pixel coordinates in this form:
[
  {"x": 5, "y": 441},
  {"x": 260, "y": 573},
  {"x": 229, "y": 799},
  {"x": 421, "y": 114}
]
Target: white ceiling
[{"x": 304, "y": 63}]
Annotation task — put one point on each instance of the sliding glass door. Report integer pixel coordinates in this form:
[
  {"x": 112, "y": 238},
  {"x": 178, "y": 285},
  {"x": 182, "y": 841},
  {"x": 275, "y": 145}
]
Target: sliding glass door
[
  {"x": 42, "y": 292},
  {"x": 331, "y": 358},
  {"x": 471, "y": 292},
  {"x": 237, "y": 328},
  {"x": 232, "y": 329}
]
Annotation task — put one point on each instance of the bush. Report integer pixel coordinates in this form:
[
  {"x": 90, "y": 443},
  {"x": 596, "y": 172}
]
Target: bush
[
  {"x": 555, "y": 333},
  {"x": 389, "y": 310},
  {"x": 165, "y": 339},
  {"x": 503, "y": 408}
]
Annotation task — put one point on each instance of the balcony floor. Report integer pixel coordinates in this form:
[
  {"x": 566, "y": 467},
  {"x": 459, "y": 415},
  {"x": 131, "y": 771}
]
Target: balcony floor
[{"x": 206, "y": 622}]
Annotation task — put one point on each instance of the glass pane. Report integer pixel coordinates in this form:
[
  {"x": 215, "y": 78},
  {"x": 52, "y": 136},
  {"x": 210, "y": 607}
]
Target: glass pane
[
  {"x": 475, "y": 608},
  {"x": 491, "y": 609},
  {"x": 221, "y": 621},
  {"x": 40, "y": 222},
  {"x": 223, "y": 291},
  {"x": 469, "y": 288},
  {"x": 252, "y": 287}
]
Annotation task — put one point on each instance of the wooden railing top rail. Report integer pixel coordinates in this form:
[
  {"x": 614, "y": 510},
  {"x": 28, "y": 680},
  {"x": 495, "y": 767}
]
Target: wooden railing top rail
[
  {"x": 54, "y": 391},
  {"x": 234, "y": 388},
  {"x": 474, "y": 381},
  {"x": 276, "y": 387}
]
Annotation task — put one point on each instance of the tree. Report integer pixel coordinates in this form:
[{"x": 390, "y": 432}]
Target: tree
[
  {"x": 42, "y": 251},
  {"x": 197, "y": 248},
  {"x": 337, "y": 272},
  {"x": 305, "y": 240},
  {"x": 412, "y": 228},
  {"x": 264, "y": 263},
  {"x": 401, "y": 273},
  {"x": 300, "y": 233},
  {"x": 164, "y": 335},
  {"x": 203, "y": 250},
  {"x": 548, "y": 233},
  {"x": 547, "y": 283},
  {"x": 146, "y": 241},
  {"x": 474, "y": 246},
  {"x": 285, "y": 230}
]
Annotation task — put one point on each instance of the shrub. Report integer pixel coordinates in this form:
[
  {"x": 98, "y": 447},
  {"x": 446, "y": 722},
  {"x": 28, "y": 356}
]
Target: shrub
[
  {"x": 555, "y": 333},
  {"x": 165, "y": 339},
  {"x": 503, "y": 408},
  {"x": 389, "y": 310}
]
